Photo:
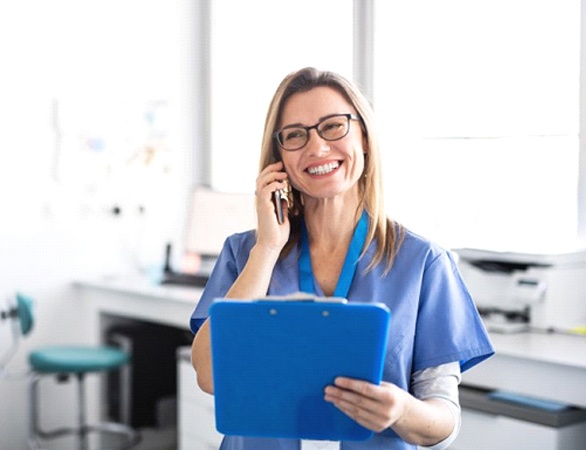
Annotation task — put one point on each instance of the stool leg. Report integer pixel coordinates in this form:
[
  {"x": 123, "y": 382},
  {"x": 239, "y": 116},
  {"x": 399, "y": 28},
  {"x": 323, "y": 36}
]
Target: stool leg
[
  {"x": 82, "y": 431},
  {"x": 83, "y": 435},
  {"x": 33, "y": 412}
]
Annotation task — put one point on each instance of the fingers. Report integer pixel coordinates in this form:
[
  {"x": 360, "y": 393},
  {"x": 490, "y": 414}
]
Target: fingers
[
  {"x": 370, "y": 405},
  {"x": 362, "y": 391},
  {"x": 271, "y": 230},
  {"x": 271, "y": 178}
]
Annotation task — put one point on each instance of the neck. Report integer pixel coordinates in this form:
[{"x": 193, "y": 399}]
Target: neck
[
  {"x": 331, "y": 223},
  {"x": 329, "y": 250}
]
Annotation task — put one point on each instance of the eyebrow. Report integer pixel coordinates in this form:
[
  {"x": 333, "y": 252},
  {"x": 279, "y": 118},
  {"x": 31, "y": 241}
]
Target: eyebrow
[{"x": 298, "y": 124}]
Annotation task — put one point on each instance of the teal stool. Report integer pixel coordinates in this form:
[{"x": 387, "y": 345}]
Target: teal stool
[
  {"x": 76, "y": 361},
  {"x": 65, "y": 362}
]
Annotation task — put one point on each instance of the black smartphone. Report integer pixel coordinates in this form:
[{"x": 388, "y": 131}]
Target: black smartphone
[
  {"x": 281, "y": 194},
  {"x": 277, "y": 197}
]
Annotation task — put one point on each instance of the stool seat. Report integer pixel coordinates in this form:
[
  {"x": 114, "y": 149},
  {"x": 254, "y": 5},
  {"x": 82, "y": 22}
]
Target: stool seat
[
  {"x": 68, "y": 363},
  {"x": 77, "y": 359}
]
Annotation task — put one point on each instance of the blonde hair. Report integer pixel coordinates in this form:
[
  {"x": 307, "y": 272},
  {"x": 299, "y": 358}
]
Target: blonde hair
[{"x": 388, "y": 234}]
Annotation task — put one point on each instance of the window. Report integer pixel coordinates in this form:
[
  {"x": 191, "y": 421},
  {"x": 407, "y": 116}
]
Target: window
[
  {"x": 479, "y": 102},
  {"x": 248, "y": 60},
  {"x": 89, "y": 113}
]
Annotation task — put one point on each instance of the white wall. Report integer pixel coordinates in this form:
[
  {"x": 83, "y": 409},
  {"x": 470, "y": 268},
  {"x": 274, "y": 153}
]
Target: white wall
[{"x": 63, "y": 63}]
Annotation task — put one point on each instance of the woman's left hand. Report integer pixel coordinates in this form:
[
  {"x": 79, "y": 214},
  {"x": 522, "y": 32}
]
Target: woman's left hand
[{"x": 376, "y": 407}]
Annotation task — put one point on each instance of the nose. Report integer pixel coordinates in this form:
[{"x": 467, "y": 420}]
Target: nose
[{"x": 315, "y": 143}]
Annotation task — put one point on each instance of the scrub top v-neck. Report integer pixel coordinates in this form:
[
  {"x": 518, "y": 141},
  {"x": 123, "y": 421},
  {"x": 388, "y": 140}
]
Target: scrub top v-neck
[{"x": 307, "y": 282}]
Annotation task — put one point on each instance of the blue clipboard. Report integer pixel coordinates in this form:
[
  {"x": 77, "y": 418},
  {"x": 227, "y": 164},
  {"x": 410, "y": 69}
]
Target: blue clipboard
[{"x": 272, "y": 360}]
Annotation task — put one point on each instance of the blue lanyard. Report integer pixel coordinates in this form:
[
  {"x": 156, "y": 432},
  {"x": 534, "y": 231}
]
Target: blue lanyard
[{"x": 306, "y": 282}]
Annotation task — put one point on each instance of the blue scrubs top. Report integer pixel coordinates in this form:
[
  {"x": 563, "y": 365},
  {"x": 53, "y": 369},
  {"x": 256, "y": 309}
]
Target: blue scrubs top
[{"x": 434, "y": 319}]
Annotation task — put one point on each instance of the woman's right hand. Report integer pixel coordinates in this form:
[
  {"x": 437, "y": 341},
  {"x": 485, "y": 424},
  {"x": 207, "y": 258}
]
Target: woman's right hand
[
  {"x": 254, "y": 280},
  {"x": 270, "y": 233}
]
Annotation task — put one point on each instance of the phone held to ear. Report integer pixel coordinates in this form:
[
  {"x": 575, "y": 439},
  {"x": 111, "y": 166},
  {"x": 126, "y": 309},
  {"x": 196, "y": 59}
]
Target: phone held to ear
[
  {"x": 277, "y": 197},
  {"x": 281, "y": 194}
]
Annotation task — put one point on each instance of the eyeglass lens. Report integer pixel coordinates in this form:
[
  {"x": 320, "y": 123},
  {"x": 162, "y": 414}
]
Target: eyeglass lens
[{"x": 330, "y": 129}]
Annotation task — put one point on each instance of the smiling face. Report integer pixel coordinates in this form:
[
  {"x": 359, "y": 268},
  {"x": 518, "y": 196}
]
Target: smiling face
[{"x": 323, "y": 169}]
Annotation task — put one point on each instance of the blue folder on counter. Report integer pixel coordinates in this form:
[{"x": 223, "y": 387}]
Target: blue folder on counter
[{"x": 272, "y": 360}]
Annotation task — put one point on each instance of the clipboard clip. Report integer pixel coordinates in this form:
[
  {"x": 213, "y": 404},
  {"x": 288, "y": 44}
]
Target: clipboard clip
[{"x": 303, "y": 297}]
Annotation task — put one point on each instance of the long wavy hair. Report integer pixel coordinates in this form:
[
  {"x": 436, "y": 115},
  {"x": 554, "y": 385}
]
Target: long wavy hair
[{"x": 387, "y": 233}]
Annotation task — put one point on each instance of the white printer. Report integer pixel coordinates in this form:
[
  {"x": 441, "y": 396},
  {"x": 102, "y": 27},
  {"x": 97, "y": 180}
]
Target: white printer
[{"x": 516, "y": 291}]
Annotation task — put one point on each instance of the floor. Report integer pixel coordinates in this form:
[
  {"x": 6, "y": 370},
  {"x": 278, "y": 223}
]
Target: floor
[
  {"x": 158, "y": 439},
  {"x": 151, "y": 439}
]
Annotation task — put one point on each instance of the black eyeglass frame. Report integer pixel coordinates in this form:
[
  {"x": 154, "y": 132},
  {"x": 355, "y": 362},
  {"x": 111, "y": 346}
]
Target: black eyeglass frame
[{"x": 349, "y": 117}]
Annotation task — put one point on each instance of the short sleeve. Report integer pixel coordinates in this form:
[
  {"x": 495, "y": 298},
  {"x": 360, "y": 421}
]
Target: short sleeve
[
  {"x": 449, "y": 327},
  {"x": 230, "y": 262}
]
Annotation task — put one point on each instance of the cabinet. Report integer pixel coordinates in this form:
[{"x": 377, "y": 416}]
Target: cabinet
[
  {"x": 537, "y": 365},
  {"x": 489, "y": 423},
  {"x": 196, "y": 416}
]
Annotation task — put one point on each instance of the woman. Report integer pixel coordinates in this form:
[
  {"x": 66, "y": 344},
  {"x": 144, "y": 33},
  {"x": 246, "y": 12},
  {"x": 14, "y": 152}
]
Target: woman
[{"x": 337, "y": 240}]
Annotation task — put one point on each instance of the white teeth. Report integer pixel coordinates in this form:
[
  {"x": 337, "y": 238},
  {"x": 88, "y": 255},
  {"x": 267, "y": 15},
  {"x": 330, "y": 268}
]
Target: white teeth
[{"x": 326, "y": 168}]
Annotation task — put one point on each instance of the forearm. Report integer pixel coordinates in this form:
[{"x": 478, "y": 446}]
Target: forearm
[
  {"x": 424, "y": 422},
  {"x": 251, "y": 283},
  {"x": 440, "y": 384},
  {"x": 201, "y": 358},
  {"x": 254, "y": 280},
  {"x": 425, "y": 418}
]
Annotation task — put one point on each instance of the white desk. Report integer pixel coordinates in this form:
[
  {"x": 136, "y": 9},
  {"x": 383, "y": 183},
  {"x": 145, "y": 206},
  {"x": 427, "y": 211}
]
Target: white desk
[
  {"x": 550, "y": 366},
  {"x": 138, "y": 298},
  {"x": 535, "y": 364},
  {"x": 128, "y": 297}
]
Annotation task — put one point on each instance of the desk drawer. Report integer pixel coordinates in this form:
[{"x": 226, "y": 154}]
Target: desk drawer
[
  {"x": 481, "y": 431},
  {"x": 489, "y": 424},
  {"x": 197, "y": 422}
]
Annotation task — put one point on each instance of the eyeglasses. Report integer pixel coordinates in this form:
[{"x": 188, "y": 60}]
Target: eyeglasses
[{"x": 331, "y": 128}]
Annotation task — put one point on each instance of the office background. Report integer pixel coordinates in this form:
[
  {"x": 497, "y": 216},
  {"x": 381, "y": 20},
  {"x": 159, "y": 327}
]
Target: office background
[{"x": 112, "y": 111}]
